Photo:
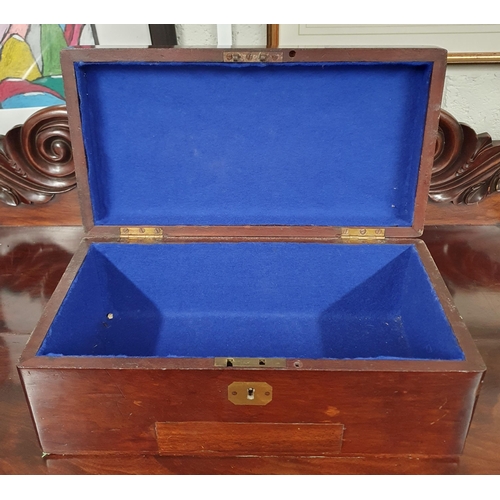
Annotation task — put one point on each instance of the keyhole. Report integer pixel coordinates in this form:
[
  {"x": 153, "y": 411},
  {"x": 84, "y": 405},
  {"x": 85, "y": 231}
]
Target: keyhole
[{"x": 250, "y": 393}]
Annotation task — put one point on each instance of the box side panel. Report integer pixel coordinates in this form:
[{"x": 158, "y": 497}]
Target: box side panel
[{"x": 117, "y": 411}]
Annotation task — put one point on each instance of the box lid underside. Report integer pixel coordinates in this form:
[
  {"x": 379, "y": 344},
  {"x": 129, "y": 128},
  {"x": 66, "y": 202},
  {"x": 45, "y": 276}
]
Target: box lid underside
[{"x": 207, "y": 144}]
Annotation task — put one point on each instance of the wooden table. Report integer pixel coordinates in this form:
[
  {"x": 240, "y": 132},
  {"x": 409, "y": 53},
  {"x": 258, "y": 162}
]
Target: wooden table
[{"x": 32, "y": 259}]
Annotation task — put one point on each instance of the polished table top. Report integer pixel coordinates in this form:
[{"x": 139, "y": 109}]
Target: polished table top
[{"x": 32, "y": 260}]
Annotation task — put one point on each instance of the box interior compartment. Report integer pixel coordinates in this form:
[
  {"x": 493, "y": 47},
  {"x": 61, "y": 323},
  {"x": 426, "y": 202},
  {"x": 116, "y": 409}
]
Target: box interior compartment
[
  {"x": 326, "y": 143},
  {"x": 252, "y": 299}
]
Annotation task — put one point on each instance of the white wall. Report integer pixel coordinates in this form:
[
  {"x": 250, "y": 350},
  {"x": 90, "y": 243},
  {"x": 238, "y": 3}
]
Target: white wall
[
  {"x": 472, "y": 96},
  {"x": 11, "y": 117},
  {"x": 197, "y": 35}
]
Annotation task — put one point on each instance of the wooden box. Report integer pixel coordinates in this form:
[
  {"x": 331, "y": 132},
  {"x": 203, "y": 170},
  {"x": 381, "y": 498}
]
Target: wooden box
[{"x": 250, "y": 283}]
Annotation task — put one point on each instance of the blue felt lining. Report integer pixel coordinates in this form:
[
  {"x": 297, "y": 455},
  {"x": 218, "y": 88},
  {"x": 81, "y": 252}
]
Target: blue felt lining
[
  {"x": 223, "y": 144},
  {"x": 252, "y": 300}
]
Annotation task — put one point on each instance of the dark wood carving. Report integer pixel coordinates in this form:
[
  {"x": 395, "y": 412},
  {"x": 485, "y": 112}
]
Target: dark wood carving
[
  {"x": 36, "y": 161},
  {"x": 466, "y": 165}
]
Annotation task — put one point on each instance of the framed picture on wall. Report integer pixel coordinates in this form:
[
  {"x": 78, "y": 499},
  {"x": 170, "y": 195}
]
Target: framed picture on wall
[
  {"x": 30, "y": 70},
  {"x": 466, "y": 43}
]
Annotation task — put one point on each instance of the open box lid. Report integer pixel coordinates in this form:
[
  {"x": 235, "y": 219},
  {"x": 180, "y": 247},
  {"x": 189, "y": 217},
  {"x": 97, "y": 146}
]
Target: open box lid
[{"x": 311, "y": 142}]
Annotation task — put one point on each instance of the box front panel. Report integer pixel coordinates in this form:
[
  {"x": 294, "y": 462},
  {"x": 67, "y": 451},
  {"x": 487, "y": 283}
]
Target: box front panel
[{"x": 119, "y": 411}]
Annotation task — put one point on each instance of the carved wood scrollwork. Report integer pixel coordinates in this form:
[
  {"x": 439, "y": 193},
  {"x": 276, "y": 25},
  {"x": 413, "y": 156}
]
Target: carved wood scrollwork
[
  {"x": 466, "y": 165},
  {"x": 36, "y": 161}
]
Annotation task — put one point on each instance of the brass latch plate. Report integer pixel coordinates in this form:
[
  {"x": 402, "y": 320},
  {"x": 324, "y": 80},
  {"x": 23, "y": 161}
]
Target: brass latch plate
[
  {"x": 254, "y": 56},
  {"x": 363, "y": 233},
  {"x": 141, "y": 233},
  {"x": 250, "y": 393},
  {"x": 251, "y": 362}
]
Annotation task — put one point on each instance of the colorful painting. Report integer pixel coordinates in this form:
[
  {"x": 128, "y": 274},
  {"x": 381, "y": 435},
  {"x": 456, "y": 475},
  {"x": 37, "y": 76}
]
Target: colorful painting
[{"x": 30, "y": 69}]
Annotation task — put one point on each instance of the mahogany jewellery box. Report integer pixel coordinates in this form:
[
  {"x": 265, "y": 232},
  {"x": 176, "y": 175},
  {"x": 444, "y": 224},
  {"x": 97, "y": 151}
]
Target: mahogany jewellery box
[{"x": 250, "y": 282}]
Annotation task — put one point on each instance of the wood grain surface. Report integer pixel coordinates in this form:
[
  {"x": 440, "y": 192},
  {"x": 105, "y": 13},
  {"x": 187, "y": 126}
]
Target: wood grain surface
[
  {"x": 467, "y": 257},
  {"x": 63, "y": 210},
  {"x": 383, "y": 412},
  {"x": 247, "y": 438}
]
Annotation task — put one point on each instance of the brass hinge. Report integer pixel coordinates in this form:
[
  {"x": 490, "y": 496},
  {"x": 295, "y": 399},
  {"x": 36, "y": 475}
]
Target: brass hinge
[
  {"x": 362, "y": 233},
  {"x": 142, "y": 234},
  {"x": 251, "y": 362},
  {"x": 254, "y": 56}
]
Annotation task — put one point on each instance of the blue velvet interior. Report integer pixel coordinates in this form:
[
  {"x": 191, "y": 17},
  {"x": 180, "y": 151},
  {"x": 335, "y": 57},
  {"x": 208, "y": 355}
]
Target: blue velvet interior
[
  {"x": 252, "y": 300},
  {"x": 222, "y": 144}
]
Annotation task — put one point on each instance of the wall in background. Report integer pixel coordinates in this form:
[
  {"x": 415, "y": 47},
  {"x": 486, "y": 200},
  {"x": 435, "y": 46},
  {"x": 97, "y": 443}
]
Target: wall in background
[
  {"x": 196, "y": 35},
  {"x": 472, "y": 96},
  {"x": 244, "y": 35}
]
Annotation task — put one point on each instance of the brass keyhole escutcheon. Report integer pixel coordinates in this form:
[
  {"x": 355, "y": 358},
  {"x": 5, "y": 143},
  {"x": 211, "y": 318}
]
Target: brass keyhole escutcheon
[{"x": 250, "y": 393}]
